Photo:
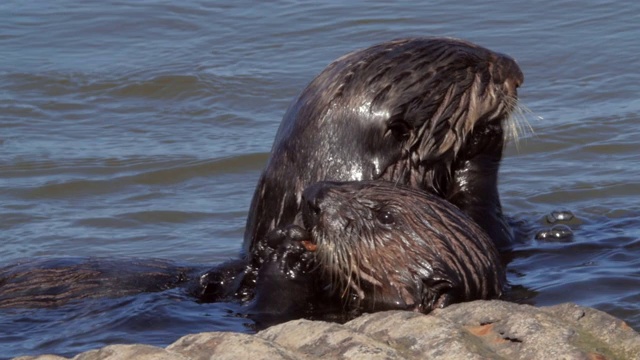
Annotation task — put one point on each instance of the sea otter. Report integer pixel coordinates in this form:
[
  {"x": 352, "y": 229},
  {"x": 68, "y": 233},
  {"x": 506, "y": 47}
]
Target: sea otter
[{"x": 373, "y": 245}]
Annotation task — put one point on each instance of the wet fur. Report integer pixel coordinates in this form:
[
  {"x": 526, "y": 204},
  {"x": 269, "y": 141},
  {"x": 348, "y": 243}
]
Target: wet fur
[{"x": 429, "y": 256}]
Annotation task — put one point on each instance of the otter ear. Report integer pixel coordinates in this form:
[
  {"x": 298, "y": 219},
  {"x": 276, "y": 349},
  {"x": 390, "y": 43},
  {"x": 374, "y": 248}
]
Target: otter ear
[
  {"x": 400, "y": 129},
  {"x": 398, "y": 125}
]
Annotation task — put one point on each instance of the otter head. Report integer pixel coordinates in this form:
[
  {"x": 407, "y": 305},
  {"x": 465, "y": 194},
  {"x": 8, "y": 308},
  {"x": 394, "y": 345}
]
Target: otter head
[
  {"x": 382, "y": 246},
  {"x": 397, "y": 109}
]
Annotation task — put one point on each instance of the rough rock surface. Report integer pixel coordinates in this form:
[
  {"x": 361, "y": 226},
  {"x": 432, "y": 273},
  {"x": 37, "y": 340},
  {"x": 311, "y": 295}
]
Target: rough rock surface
[{"x": 474, "y": 330}]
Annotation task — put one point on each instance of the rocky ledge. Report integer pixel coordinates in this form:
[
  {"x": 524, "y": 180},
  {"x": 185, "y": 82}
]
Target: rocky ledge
[{"x": 474, "y": 330}]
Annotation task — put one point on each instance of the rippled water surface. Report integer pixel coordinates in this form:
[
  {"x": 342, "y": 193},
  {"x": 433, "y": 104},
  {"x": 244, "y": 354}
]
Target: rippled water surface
[{"x": 140, "y": 128}]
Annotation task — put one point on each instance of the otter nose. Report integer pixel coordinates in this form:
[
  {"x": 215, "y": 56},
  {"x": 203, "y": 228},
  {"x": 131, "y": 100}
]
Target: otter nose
[
  {"x": 313, "y": 196},
  {"x": 507, "y": 71},
  {"x": 319, "y": 201}
]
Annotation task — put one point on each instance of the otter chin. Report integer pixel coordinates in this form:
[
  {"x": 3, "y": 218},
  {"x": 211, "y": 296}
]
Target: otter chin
[{"x": 380, "y": 246}]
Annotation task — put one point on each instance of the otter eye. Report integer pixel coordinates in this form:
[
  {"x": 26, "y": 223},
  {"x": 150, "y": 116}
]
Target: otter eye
[
  {"x": 385, "y": 217},
  {"x": 400, "y": 130}
]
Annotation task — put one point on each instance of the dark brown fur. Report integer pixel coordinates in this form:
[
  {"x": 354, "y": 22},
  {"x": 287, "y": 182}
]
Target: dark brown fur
[{"x": 382, "y": 246}]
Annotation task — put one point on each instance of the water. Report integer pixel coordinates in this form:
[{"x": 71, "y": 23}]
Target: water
[{"x": 140, "y": 129}]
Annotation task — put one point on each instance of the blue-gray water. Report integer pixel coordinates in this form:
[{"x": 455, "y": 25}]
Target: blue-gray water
[{"x": 140, "y": 128}]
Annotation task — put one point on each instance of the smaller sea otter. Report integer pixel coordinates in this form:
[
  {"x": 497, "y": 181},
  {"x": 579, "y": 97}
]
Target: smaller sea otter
[{"x": 374, "y": 245}]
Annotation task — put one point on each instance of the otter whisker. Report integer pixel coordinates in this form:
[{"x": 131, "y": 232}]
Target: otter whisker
[{"x": 519, "y": 124}]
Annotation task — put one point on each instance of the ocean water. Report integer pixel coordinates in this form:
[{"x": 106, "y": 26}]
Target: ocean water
[{"x": 139, "y": 129}]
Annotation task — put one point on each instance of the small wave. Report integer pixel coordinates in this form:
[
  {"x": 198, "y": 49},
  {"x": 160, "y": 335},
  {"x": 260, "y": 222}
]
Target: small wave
[
  {"x": 171, "y": 82},
  {"x": 83, "y": 177},
  {"x": 134, "y": 219},
  {"x": 163, "y": 87}
]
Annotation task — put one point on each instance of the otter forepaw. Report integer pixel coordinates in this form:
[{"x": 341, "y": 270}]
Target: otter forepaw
[{"x": 288, "y": 252}]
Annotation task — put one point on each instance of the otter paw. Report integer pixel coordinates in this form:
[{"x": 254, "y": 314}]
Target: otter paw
[{"x": 290, "y": 252}]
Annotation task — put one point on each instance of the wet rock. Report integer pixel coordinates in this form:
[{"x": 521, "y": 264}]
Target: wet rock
[
  {"x": 322, "y": 340},
  {"x": 474, "y": 330},
  {"x": 226, "y": 345},
  {"x": 138, "y": 352}
]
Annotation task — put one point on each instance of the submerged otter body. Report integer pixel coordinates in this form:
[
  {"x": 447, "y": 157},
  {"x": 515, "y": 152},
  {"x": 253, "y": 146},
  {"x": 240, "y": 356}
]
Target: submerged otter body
[
  {"x": 373, "y": 245},
  {"x": 428, "y": 113},
  {"x": 51, "y": 282}
]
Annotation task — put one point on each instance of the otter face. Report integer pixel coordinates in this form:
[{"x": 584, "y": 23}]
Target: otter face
[
  {"x": 448, "y": 102},
  {"x": 382, "y": 246}
]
